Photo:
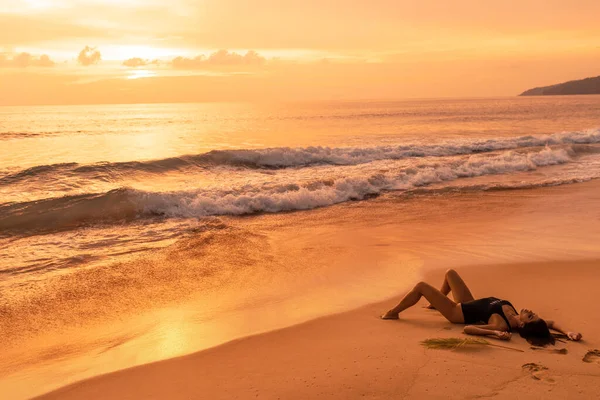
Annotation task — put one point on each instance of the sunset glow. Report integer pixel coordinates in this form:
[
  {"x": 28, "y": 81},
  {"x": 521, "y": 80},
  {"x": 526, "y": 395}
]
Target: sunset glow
[
  {"x": 394, "y": 49},
  {"x": 141, "y": 73}
]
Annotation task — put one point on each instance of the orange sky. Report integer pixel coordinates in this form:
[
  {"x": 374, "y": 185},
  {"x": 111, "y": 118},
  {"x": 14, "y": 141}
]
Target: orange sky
[{"x": 122, "y": 51}]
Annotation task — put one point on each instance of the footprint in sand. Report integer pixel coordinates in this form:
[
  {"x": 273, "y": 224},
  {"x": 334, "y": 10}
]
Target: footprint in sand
[
  {"x": 538, "y": 372},
  {"x": 592, "y": 356}
]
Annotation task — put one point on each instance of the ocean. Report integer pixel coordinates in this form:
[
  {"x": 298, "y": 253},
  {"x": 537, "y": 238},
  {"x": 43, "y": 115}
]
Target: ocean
[{"x": 170, "y": 228}]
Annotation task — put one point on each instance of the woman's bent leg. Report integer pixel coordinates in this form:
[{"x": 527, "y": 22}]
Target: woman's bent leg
[
  {"x": 459, "y": 288},
  {"x": 448, "y": 308}
]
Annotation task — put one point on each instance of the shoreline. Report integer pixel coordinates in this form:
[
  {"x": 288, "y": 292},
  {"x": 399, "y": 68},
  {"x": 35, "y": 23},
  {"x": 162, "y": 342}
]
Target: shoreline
[{"x": 335, "y": 356}]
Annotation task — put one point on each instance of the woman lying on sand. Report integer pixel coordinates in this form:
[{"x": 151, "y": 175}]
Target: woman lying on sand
[{"x": 499, "y": 315}]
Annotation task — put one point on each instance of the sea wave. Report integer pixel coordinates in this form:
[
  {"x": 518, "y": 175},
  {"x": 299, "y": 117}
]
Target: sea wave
[
  {"x": 499, "y": 187},
  {"x": 285, "y": 157},
  {"x": 126, "y": 204}
]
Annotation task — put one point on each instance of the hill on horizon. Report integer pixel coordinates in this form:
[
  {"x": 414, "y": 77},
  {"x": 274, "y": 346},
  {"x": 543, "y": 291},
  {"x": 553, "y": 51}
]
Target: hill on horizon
[{"x": 581, "y": 86}]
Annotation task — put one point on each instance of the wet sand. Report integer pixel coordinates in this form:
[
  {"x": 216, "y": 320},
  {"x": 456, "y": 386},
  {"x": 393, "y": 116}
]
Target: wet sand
[{"x": 356, "y": 355}]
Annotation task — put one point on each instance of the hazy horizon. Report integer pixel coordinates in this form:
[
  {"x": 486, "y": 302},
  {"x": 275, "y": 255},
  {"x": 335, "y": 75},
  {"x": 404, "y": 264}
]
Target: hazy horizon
[{"x": 275, "y": 101}]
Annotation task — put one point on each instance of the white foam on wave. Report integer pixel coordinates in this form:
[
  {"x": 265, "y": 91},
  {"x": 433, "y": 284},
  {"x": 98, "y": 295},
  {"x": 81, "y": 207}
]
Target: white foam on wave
[
  {"x": 324, "y": 192},
  {"x": 285, "y": 157},
  {"x": 294, "y": 157},
  {"x": 285, "y": 191}
]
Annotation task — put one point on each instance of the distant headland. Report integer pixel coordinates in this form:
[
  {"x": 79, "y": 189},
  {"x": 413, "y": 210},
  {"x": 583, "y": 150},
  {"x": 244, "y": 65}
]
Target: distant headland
[{"x": 582, "y": 86}]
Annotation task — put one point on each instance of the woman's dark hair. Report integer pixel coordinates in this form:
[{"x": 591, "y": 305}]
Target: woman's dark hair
[{"x": 537, "y": 333}]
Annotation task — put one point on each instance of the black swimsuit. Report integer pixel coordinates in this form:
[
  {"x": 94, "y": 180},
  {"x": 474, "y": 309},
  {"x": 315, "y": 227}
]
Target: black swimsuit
[{"x": 482, "y": 309}]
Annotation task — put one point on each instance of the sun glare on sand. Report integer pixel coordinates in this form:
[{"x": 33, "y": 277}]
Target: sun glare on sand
[{"x": 140, "y": 73}]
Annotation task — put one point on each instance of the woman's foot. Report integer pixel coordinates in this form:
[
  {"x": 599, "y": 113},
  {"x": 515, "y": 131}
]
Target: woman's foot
[{"x": 390, "y": 315}]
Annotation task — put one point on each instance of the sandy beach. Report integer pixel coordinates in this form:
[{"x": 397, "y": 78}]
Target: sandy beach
[
  {"x": 356, "y": 355},
  {"x": 296, "y": 322}
]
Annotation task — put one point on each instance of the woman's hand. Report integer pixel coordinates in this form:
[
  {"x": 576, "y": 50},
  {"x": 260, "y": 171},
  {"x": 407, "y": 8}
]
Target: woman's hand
[
  {"x": 503, "y": 335},
  {"x": 575, "y": 336}
]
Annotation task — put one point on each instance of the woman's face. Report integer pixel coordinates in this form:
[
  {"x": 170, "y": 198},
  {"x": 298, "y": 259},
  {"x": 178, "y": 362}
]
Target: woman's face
[{"x": 528, "y": 316}]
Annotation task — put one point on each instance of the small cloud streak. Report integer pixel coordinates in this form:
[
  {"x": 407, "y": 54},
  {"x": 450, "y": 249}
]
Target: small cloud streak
[
  {"x": 89, "y": 56},
  {"x": 219, "y": 58},
  {"x": 24, "y": 60},
  {"x": 139, "y": 62}
]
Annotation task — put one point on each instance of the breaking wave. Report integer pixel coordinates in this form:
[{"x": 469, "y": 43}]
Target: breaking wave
[
  {"x": 284, "y": 157},
  {"x": 125, "y": 204}
]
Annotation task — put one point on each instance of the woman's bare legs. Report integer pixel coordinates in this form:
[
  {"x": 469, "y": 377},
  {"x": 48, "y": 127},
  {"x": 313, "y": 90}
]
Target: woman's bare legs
[
  {"x": 449, "y": 309},
  {"x": 455, "y": 284}
]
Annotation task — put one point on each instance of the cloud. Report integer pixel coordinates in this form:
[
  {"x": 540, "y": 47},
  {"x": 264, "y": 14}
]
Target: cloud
[
  {"x": 135, "y": 62},
  {"x": 24, "y": 60},
  {"x": 139, "y": 62},
  {"x": 219, "y": 58},
  {"x": 89, "y": 56}
]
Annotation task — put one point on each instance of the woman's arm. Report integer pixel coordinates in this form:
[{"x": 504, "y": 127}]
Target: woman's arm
[
  {"x": 576, "y": 336},
  {"x": 487, "y": 330}
]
